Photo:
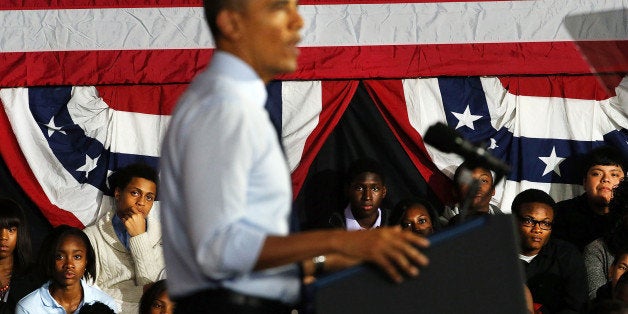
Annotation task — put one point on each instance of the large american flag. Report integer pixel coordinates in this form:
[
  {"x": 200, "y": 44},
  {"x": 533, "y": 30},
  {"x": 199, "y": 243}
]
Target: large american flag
[{"x": 88, "y": 86}]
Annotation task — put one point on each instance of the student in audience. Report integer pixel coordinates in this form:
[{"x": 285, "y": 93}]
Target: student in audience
[
  {"x": 68, "y": 261},
  {"x": 16, "y": 276},
  {"x": 365, "y": 189},
  {"x": 600, "y": 254},
  {"x": 554, "y": 269},
  {"x": 618, "y": 267},
  {"x": 585, "y": 218},
  {"x": 155, "y": 300},
  {"x": 620, "y": 290},
  {"x": 128, "y": 240},
  {"x": 418, "y": 216},
  {"x": 480, "y": 203}
]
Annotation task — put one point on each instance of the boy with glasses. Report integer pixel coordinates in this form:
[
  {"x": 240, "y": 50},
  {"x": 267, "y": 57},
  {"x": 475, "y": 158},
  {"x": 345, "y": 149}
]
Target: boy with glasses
[{"x": 554, "y": 269}]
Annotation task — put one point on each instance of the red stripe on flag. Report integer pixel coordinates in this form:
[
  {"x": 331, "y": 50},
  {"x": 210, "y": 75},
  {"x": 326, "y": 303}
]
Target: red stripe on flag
[
  {"x": 404, "y": 61},
  {"x": 12, "y": 155},
  {"x": 94, "y": 4},
  {"x": 395, "y": 61},
  {"x": 149, "y": 99},
  {"x": 575, "y": 87},
  {"x": 101, "y": 67},
  {"x": 82, "y": 4}
]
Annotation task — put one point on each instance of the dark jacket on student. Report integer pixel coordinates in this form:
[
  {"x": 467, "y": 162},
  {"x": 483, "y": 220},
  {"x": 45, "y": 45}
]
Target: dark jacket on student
[{"x": 557, "y": 278}]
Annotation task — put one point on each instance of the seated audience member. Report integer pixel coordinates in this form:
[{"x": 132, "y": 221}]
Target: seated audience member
[
  {"x": 96, "y": 308},
  {"x": 155, "y": 300},
  {"x": 16, "y": 276},
  {"x": 127, "y": 240},
  {"x": 365, "y": 189},
  {"x": 68, "y": 261},
  {"x": 418, "y": 216},
  {"x": 554, "y": 269},
  {"x": 599, "y": 255},
  {"x": 618, "y": 267},
  {"x": 585, "y": 218},
  {"x": 620, "y": 290},
  {"x": 480, "y": 203}
]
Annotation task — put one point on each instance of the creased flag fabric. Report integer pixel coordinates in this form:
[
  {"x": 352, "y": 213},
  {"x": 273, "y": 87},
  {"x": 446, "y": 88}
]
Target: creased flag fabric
[
  {"x": 88, "y": 86},
  {"x": 143, "y": 42},
  {"x": 71, "y": 138}
]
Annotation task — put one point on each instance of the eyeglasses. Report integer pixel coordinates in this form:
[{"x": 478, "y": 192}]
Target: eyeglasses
[{"x": 529, "y": 222}]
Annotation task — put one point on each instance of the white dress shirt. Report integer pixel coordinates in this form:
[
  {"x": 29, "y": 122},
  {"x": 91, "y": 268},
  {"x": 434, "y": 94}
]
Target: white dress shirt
[{"x": 225, "y": 186}]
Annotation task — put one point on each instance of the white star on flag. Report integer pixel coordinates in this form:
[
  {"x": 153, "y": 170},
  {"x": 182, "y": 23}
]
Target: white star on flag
[
  {"x": 90, "y": 164},
  {"x": 552, "y": 162},
  {"x": 52, "y": 127},
  {"x": 466, "y": 118}
]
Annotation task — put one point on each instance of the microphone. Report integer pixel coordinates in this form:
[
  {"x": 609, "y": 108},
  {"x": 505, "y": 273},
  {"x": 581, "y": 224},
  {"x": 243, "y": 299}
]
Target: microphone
[{"x": 447, "y": 140}]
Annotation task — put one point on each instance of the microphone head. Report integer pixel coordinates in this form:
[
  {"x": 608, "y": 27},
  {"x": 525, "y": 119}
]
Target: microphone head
[{"x": 442, "y": 137}]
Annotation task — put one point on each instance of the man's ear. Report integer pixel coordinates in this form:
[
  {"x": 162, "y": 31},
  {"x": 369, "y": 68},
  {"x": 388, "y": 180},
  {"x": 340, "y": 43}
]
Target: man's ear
[
  {"x": 384, "y": 191},
  {"x": 228, "y": 22},
  {"x": 116, "y": 193}
]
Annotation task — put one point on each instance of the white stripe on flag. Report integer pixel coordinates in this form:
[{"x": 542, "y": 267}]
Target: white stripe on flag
[
  {"x": 325, "y": 25},
  {"x": 301, "y": 106},
  {"x": 425, "y": 108},
  {"x": 120, "y": 131},
  {"x": 547, "y": 117}
]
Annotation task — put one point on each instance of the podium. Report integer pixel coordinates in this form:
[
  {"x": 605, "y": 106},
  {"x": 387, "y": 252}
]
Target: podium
[{"x": 474, "y": 268}]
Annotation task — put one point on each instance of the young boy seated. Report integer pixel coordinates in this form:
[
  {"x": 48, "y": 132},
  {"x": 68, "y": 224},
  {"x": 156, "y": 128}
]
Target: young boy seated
[
  {"x": 584, "y": 218},
  {"x": 554, "y": 269},
  {"x": 480, "y": 202},
  {"x": 365, "y": 189}
]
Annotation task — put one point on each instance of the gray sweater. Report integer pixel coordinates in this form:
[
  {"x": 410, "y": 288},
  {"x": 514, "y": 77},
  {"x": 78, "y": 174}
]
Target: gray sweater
[{"x": 597, "y": 260}]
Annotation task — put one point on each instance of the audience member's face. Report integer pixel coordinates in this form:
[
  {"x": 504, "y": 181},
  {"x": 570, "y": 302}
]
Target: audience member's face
[
  {"x": 70, "y": 261},
  {"x": 268, "y": 36},
  {"x": 137, "y": 197},
  {"x": 619, "y": 268},
  {"x": 162, "y": 304},
  {"x": 485, "y": 191},
  {"x": 366, "y": 193},
  {"x": 8, "y": 241},
  {"x": 417, "y": 220},
  {"x": 600, "y": 181},
  {"x": 534, "y": 237}
]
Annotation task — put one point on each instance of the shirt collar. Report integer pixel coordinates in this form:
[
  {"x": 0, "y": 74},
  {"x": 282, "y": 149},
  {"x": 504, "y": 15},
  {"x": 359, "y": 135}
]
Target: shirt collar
[
  {"x": 229, "y": 66},
  {"x": 352, "y": 223},
  {"x": 49, "y": 301},
  {"x": 118, "y": 227}
]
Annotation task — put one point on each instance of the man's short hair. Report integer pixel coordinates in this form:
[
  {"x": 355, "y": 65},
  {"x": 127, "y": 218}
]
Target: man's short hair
[
  {"x": 362, "y": 165},
  {"x": 213, "y": 7},
  {"x": 470, "y": 165},
  {"x": 604, "y": 156},
  {"x": 618, "y": 255},
  {"x": 531, "y": 196},
  {"x": 121, "y": 178}
]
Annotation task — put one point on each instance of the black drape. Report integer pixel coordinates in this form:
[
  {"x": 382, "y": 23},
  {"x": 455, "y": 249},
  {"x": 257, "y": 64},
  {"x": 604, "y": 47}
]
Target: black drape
[
  {"x": 38, "y": 224},
  {"x": 362, "y": 132}
]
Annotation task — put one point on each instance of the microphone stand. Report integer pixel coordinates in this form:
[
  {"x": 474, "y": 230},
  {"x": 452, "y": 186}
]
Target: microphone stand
[{"x": 468, "y": 199}]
